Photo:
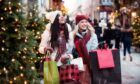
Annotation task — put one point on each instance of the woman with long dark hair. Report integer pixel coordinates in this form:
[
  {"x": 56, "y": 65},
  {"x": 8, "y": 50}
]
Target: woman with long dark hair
[{"x": 56, "y": 38}]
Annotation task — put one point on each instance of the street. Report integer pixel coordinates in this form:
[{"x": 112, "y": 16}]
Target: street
[{"x": 130, "y": 70}]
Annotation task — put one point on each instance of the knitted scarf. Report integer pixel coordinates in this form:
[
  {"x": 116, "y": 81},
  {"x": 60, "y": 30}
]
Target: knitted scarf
[{"x": 80, "y": 44}]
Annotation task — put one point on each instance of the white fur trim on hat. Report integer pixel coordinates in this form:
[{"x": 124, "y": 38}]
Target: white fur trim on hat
[{"x": 52, "y": 15}]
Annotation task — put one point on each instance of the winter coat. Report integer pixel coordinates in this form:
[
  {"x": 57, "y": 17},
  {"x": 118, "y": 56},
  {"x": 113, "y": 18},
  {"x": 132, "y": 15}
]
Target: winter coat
[{"x": 45, "y": 39}]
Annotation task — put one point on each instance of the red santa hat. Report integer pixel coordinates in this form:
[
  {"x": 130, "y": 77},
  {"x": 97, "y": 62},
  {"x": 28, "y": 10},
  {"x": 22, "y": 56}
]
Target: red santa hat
[{"x": 79, "y": 18}]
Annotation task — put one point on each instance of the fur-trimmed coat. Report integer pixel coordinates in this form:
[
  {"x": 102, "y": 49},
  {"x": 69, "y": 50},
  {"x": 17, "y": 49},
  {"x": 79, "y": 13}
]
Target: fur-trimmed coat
[{"x": 45, "y": 39}]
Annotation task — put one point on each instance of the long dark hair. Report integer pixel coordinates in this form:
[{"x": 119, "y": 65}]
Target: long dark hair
[{"x": 55, "y": 31}]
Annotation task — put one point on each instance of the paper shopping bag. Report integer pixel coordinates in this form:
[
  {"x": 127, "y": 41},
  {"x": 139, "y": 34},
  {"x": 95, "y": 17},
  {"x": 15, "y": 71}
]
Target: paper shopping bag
[
  {"x": 78, "y": 61},
  {"x": 105, "y": 58}
]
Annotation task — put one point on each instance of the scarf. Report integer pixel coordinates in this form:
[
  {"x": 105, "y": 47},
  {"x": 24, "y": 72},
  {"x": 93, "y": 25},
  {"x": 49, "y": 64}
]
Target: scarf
[
  {"x": 62, "y": 45},
  {"x": 80, "y": 42}
]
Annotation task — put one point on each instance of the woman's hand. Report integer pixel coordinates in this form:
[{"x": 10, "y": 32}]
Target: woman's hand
[
  {"x": 90, "y": 27},
  {"x": 48, "y": 49}
]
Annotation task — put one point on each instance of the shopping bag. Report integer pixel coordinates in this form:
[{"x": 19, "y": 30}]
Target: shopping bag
[
  {"x": 51, "y": 73},
  {"x": 68, "y": 73},
  {"x": 105, "y": 58},
  {"x": 108, "y": 75},
  {"x": 78, "y": 61}
]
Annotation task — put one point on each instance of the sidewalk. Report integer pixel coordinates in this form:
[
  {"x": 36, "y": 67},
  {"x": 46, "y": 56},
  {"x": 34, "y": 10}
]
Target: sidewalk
[{"x": 130, "y": 70}]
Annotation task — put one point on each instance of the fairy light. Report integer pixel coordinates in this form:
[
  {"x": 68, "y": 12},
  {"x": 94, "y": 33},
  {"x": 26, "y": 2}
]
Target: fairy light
[
  {"x": 21, "y": 75},
  {"x": 11, "y": 82},
  {"x": 3, "y": 41},
  {"x": 5, "y": 9},
  {"x": 13, "y": 60},
  {"x": 4, "y": 69},
  {"x": 15, "y": 78},
  {"x": 19, "y": 4},
  {"x": 25, "y": 49},
  {"x": 3, "y": 28},
  {"x": 10, "y": 12},
  {"x": 2, "y": 49},
  {"x": 16, "y": 30},
  {"x": 9, "y": 2},
  {"x": 9, "y": 8},
  {"x": 16, "y": 19},
  {"x": 25, "y": 82},
  {"x": 33, "y": 68},
  {"x": 19, "y": 52},
  {"x": 21, "y": 67},
  {"x": 24, "y": 57},
  {"x": 1, "y": 18}
]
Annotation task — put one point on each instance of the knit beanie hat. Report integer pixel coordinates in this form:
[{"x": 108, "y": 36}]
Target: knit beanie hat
[{"x": 79, "y": 18}]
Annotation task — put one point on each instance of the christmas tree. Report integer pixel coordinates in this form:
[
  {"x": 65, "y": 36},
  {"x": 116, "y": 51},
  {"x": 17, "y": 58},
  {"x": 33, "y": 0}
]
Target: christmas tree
[
  {"x": 136, "y": 31},
  {"x": 17, "y": 45}
]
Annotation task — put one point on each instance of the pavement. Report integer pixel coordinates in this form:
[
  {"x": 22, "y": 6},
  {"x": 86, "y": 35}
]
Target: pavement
[{"x": 130, "y": 70}]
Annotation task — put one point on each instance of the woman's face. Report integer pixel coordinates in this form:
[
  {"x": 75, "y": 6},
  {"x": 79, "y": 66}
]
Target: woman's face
[
  {"x": 62, "y": 19},
  {"x": 83, "y": 24}
]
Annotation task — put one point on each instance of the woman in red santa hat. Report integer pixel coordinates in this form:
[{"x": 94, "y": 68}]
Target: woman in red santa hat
[{"x": 85, "y": 40}]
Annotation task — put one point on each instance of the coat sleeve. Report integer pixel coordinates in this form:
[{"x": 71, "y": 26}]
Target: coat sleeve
[
  {"x": 45, "y": 38},
  {"x": 93, "y": 43}
]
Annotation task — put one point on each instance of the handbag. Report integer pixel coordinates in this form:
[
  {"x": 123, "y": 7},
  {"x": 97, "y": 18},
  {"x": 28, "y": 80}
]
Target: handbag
[
  {"x": 78, "y": 61},
  {"x": 51, "y": 73}
]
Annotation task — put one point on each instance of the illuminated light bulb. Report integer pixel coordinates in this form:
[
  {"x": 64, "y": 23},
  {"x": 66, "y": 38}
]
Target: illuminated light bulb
[
  {"x": 16, "y": 30},
  {"x": 4, "y": 69},
  {"x": 19, "y": 3},
  {"x": 2, "y": 49},
  {"x": 1, "y": 18},
  {"x": 25, "y": 82},
  {"x": 15, "y": 78},
  {"x": 25, "y": 49},
  {"x": 7, "y": 49},
  {"x": 25, "y": 40},
  {"x": 21, "y": 67},
  {"x": 11, "y": 82},
  {"x": 38, "y": 32},
  {"x": 24, "y": 57},
  {"x": 9, "y": 2},
  {"x": 16, "y": 19},
  {"x": 17, "y": 10},
  {"x": 5, "y": 9},
  {"x": 21, "y": 74},
  {"x": 3, "y": 29},
  {"x": 33, "y": 68},
  {"x": 10, "y": 12},
  {"x": 13, "y": 60},
  {"x": 19, "y": 52},
  {"x": 3, "y": 41},
  {"x": 9, "y": 8}
]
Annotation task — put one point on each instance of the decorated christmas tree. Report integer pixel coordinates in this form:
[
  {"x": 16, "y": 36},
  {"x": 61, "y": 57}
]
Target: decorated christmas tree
[
  {"x": 18, "y": 42},
  {"x": 136, "y": 31}
]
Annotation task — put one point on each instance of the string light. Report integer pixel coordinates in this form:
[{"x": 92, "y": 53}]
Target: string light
[
  {"x": 15, "y": 78},
  {"x": 25, "y": 82},
  {"x": 21, "y": 67},
  {"x": 1, "y": 18},
  {"x": 9, "y": 8},
  {"x": 21, "y": 74},
  {"x": 5, "y": 9},
  {"x": 33, "y": 68},
  {"x": 10, "y": 12},
  {"x": 16, "y": 19},
  {"x": 25, "y": 49},
  {"x": 4, "y": 69},
  {"x": 19, "y": 4},
  {"x": 9, "y": 2},
  {"x": 2, "y": 49},
  {"x": 13, "y": 60},
  {"x": 16, "y": 30},
  {"x": 19, "y": 52},
  {"x": 3, "y": 29},
  {"x": 3, "y": 41},
  {"x": 11, "y": 82},
  {"x": 24, "y": 57}
]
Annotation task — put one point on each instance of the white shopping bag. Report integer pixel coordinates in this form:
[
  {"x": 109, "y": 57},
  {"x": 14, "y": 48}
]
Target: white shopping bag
[{"x": 78, "y": 61}]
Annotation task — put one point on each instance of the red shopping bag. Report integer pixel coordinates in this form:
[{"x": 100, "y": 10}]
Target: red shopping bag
[
  {"x": 68, "y": 73},
  {"x": 105, "y": 58}
]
